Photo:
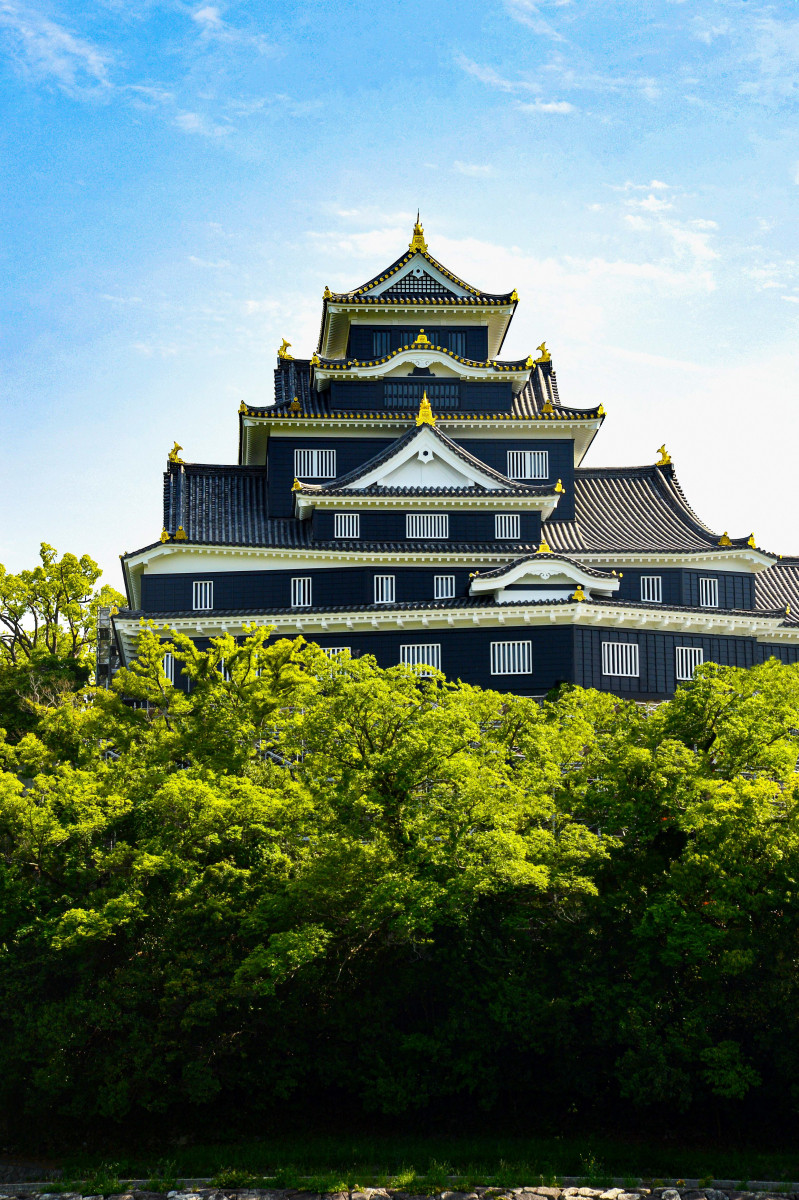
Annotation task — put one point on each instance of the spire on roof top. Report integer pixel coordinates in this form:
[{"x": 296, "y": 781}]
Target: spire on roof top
[
  {"x": 417, "y": 241},
  {"x": 425, "y": 416}
]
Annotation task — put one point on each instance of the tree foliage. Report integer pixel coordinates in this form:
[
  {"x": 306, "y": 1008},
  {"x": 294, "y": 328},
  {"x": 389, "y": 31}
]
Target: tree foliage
[
  {"x": 48, "y": 633},
  {"x": 307, "y": 875}
]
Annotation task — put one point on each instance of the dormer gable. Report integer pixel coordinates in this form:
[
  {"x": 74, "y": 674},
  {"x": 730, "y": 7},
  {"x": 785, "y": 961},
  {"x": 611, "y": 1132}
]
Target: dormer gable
[{"x": 543, "y": 575}]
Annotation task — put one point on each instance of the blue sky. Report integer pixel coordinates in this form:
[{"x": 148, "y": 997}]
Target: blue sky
[{"x": 181, "y": 180}]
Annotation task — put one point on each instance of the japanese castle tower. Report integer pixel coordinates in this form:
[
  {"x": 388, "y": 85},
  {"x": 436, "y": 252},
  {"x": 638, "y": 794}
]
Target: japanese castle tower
[{"x": 412, "y": 495}]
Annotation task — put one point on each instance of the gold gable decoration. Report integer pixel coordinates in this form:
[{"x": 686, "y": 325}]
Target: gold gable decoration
[
  {"x": 724, "y": 540},
  {"x": 417, "y": 241},
  {"x": 425, "y": 415},
  {"x": 283, "y": 351},
  {"x": 181, "y": 535},
  {"x": 665, "y": 457},
  {"x": 164, "y": 535},
  {"x": 751, "y": 542},
  {"x": 578, "y": 593},
  {"x": 174, "y": 454},
  {"x": 422, "y": 341},
  {"x": 544, "y": 548}
]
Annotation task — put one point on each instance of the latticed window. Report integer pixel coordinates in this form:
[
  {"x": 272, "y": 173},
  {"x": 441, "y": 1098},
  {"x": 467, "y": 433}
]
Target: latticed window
[
  {"x": 347, "y": 525},
  {"x": 384, "y": 589},
  {"x": 169, "y": 667},
  {"x": 687, "y": 659},
  {"x": 334, "y": 651},
  {"x": 443, "y": 586},
  {"x": 427, "y": 525},
  {"x": 709, "y": 593},
  {"x": 315, "y": 464},
  {"x": 457, "y": 344},
  {"x": 422, "y": 656},
  {"x": 203, "y": 594},
  {"x": 507, "y": 526},
  {"x": 301, "y": 591},
  {"x": 528, "y": 464},
  {"x": 652, "y": 589},
  {"x": 511, "y": 658},
  {"x": 420, "y": 284},
  {"x": 620, "y": 658},
  {"x": 407, "y": 395},
  {"x": 381, "y": 343}
]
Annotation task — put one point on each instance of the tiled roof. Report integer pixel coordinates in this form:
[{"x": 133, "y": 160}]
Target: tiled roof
[
  {"x": 498, "y": 365},
  {"x": 539, "y": 557},
  {"x": 778, "y": 586},
  {"x": 293, "y": 378},
  {"x": 631, "y": 508},
  {"x": 514, "y": 489},
  {"x": 475, "y": 295},
  {"x": 224, "y": 506}
]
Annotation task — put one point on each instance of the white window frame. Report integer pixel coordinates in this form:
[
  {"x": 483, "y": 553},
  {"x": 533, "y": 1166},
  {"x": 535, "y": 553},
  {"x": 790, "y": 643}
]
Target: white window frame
[
  {"x": 385, "y": 589},
  {"x": 202, "y": 594},
  {"x": 418, "y": 656},
  {"x": 169, "y": 666},
  {"x": 346, "y": 525},
  {"x": 427, "y": 526},
  {"x": 507, "y": 527},
  {"x": 314, "y": 464},
  {"x": 443, "y": 587},
  {"x": 512, "y": 658},
  {"x": 301, "y": 591},
  {"x": 708, "y": 592},
  {"x": 686, "y": 660},
  {"x": 224, "y": 670},
  {"x": 528, "y": 464},
  {"x": 332, "y": 651},
  {"x": 652, "y": 589},
  {"x": 622, "y": 660}
]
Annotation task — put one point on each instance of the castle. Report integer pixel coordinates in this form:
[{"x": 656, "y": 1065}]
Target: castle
[{"x": 412, "y": 495}]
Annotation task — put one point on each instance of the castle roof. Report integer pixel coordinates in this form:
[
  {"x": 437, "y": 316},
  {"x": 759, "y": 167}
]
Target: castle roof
[
  {"x": 778, "y": 586},
  {"x": 633, "y": 509}
]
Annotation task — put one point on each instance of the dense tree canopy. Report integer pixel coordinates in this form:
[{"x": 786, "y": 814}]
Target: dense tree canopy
[{"x": 307, "y": 876}]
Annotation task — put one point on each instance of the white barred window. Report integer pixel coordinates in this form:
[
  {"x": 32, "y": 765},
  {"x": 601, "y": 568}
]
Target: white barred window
[
  {"x": 511, "y": 658},
  {"x": 427, "y": 525},
  {"x": 347, "y": 525},
  {"x": 652, "y": 588},
  {"x": 224, "y": 670},
  {"x": 384, "y": 589},
  {"x": 620, "y": 658},
  {"x": 315, "y": 464},
  {"x": 709, "y": 593},
  {"x": 301, "y": 591},
  {"x": 528, "y": 464},
  {"x": 443, "y": 586},
  {"x": 507, "y": 526},
  {"x": 203, "y": 594},
  {"x": 169, "y": 667},
  {"x": 420, "y": 657},
  {"x": 687, "y": 659},
  {"x": 333, "y": 651}
]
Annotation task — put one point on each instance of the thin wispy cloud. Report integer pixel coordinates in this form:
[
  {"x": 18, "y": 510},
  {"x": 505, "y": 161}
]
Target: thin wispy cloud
[
  {"x": 214, "y": 28},
  {"x": 45, "y": 50},
  {"x": 194, "y": 122},
  {"x": 546, "y": 106},
  {"x": 475, "y": 170},
  {"x": 528, "y": 13}
]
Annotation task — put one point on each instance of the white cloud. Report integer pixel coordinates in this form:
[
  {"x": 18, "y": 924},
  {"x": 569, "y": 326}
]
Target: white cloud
[
  {"x": 45, "y": 50},
  {"x": 547, "y": 106},
  {"x": 476, "y": 170},
  {"x": 528, "y": 13},
  {"x": 493, "y": 78},
  {"x": 193, "y": 122},
  {"x": 213, "y": 27},
  {"x": 203, "y": 262}
]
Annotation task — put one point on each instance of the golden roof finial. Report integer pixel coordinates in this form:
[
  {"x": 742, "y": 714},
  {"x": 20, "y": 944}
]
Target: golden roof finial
[
  {"x": 315, "y": 359},
  {"x": 600, "y": 412},
  {"x": 544, "y": 548},
  {"x": 787, "y": 610},
  {"x": 578, "y": 593},
  {"x": 724, "y": 540},
  {"x": 326, "y": 294},
  {"x": 665, "y": 457},
  {"x": 295, "y": 406},
  {"x": 514, "y": 296},
  {"x": 548, "y": 407},
  {"x": 164, "y": 535},
  {"x": 296, "y": 486},
  {"x": 242, "y": 408},
  {"x": 421, "y": 340},
  {"x": 559, "y": 488},
  {"x": 752, "y": 541},
  {"x": 181, "y": 535},
  {"x": 425, "y": 415},
  {"x": 417, "y": 241},
  {"x": 174, "y": 454},
  {"x": 543, "y": 353},
  {"x": 283, "y": 350}
]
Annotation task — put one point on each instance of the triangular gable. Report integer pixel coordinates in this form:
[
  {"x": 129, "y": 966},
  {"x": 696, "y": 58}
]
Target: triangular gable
[
  {"x": 426, "y": 459},
  {"x": 416, "y": 271}
]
